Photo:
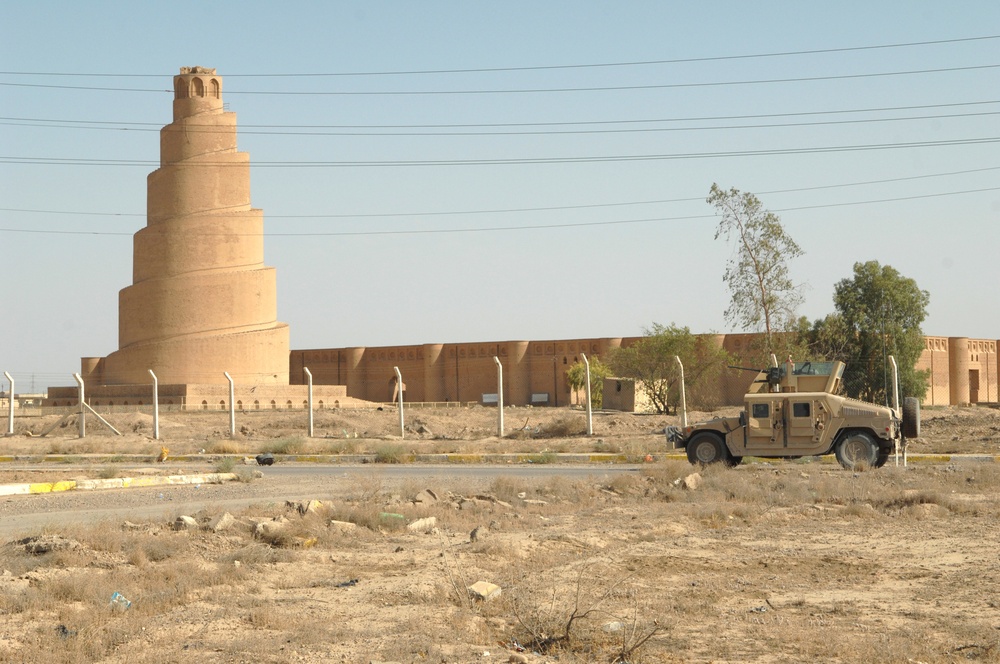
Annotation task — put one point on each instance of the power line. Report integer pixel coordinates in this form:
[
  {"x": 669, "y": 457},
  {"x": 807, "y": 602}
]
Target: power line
[
  {"x": 589, "y": 159},
  {"x": 583, "y": 224},
  {"x": 440, "y": 213},
  {"x": 845, "y": 49},
  {"x": 599, "y": 88},
  {"x": 569, "y": 132},
  {"x": 706, "y": 118}
]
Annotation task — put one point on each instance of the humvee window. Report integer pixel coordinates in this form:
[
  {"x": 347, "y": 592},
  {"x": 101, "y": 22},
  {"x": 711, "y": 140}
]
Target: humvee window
[
  {"x": 800, "y": 409},
  {"x": 813, "y": 369},
  {"x": 761, "y": 410}
]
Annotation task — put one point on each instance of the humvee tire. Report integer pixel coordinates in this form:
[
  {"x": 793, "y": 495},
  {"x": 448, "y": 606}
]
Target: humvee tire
[
  {"x": 705, "y": 448},
  {"x": 857, "y": 450},
  {"x": 885, "y": 450},
  {"x": 911, "y": 417}
]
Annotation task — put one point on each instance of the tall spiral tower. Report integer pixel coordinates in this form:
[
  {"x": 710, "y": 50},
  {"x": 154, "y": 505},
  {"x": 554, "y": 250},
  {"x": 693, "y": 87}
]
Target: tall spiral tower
[{"x": 201, "y": 301}]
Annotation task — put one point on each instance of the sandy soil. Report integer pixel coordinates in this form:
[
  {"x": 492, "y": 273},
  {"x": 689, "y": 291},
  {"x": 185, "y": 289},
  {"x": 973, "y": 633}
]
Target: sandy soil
[{"x": 768, "y": 562}]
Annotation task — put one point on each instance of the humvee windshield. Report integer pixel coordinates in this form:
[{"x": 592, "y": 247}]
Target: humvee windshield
[{"x": 815, "y": 369}]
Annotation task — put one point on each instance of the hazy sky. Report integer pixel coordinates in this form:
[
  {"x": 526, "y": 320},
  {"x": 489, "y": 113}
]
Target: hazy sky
[{"x": 471, "y": 171}]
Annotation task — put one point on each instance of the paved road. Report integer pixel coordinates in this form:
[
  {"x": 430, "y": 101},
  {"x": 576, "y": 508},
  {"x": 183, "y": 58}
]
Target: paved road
[{"x": 27, "y": 514}]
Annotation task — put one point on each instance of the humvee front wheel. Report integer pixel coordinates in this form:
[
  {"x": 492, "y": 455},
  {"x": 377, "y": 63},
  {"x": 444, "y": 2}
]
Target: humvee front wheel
[
  {"x": 857, "y": 450},
  {"x": 705, "y": 448}
]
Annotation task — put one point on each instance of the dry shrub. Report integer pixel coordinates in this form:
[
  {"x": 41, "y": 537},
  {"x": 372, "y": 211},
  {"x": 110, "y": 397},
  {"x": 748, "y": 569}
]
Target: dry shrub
[
  {"x": 104, "y": 536},
  {"x": 568, "y": 613},
  {"x": 227, "y": 446},
  {"x": 559, "y": 489},
  {"x": 508, "y": 489},
  {"x": 77, "y": 585},
  {"x": 146, "y": 548},
  {"x": 255, "y": 554},
  {"x": 335, "y": 446},
  {"x": 366, "y": 487},
  {"x": 562, "y": 427},
  {"x": 245, "y": 475},
  {"x": 371, "y": 516},
  {"x": 302, "y": 532},
  {"x": 285, "y": 445},
  {"x": 392, "y": 453},
  {"x": 629, "y": 484},
  {"x": 224, "y": 465},
  {"x": 108, "y": 472},
  {"x": 759, "y": 489}
]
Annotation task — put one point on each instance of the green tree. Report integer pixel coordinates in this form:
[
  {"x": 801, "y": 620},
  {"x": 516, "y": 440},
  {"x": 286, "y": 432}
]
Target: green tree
[
  {"x": 880, "y": 312},
  {"x": 576, "y": 376},
  {"x": 829, "y": 338},
  {"x": 651, "y": 363},
  {"x": 763, "y": 297}
]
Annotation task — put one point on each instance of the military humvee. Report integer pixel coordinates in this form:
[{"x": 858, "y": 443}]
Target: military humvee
[{"x": 796, "y": 411}]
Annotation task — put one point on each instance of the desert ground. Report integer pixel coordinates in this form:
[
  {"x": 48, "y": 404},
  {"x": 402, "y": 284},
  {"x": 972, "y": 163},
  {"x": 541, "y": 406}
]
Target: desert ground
[{"x": 779, "y": 561}]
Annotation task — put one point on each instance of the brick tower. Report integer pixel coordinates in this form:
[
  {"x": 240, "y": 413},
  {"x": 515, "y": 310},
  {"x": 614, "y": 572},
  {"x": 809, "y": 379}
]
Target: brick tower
[{"x": 201, "y": 301}]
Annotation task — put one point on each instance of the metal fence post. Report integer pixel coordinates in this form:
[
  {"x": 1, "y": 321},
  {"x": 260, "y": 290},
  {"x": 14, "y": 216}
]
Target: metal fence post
[
  {"x": 309, "y": 380},
  {"x": 399, "y": 389},
  {"x": 10, "y": 405},
  {"x": 232, "y": 405},
  {"x": 156, "y": 406},
  {"x": 590, "y": 412},
  {"x": 684, "y": 407},
  {"x": 83, "y": 407},
  {"x": 499, "y": 396}
]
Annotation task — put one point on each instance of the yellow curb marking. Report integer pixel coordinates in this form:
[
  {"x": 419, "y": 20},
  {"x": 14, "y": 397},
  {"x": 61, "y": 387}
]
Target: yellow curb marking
[{"x": 49, "y": 487}]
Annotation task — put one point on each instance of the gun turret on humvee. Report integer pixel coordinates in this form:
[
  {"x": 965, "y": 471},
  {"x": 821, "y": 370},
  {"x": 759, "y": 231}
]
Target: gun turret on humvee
[{"x": 796, "y": 411}]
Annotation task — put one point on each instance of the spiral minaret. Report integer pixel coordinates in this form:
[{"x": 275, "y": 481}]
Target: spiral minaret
[{"x": 201, "y": 301}]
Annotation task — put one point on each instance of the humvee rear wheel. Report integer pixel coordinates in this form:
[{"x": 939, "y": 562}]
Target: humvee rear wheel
[
  {"x": 857, "y": 450},
  {"x": 705, "y": 448}
]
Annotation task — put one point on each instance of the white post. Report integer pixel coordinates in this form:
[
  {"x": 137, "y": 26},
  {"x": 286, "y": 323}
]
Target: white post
[
  {"x": 895, "y": 405},
  {"x": 10, "y": 405},
  {"x": 399, "y": 389},
  {"x": 590, "y": 412},
  {"x": 684, "y": 406},
  {"x": 309, "y": 379},
  {"x": 83, "y": 407},
  {"x": 895, "y": 385},
  {"x": 499, "y": 396},
  {"x": 156, "y": 406},
  {"x": 232, "y": 405}
]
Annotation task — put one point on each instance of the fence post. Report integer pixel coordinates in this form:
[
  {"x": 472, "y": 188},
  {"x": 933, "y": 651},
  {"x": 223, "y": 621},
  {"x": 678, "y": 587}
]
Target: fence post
[
  {"x": 10, "y": 405},
  {"x": 309, "y": 380},
  {"x": 399, "y": 389},
  {"x": 499, "y": 396},
  {"x": 684, "y": 406},
  {"x": 590, "y": 412},
  {"x": 83, "y": 407},
  {"x": 156, "y": 406},
  {"x": 232, "y": 405}
]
